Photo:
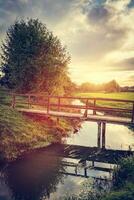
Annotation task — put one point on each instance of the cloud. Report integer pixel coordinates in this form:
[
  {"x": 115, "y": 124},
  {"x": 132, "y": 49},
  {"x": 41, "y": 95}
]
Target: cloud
[
  {"x": 98, "y": 33},
  {"x": 104, "y": 31},
  {"x": 95, "y": 45},
  {"x": 129, "y": 81},
  {"x": 50, "y": 12},
  {"x": 99, "y": 14},
  {"x": 125, "y": 65},
  {"x": 131, "y": 4},
  {"x": 131, "y": 78},
  {"x": 47, "y": 10}
]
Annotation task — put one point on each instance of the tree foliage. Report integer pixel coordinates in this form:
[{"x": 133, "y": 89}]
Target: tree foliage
[
  {"x": 33, "y": 59},
  {"x": 111, "y": 86}
]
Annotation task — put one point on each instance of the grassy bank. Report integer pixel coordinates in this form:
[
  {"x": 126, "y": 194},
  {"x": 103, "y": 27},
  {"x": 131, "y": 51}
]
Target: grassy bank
[{"x": 19, "y": 133}]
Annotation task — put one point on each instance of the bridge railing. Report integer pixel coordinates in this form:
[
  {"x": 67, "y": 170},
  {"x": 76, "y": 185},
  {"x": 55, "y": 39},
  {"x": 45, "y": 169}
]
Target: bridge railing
[{"x": 61, "y": 103}]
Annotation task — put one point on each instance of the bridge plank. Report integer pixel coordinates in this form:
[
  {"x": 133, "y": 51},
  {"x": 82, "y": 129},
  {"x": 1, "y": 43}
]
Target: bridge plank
[{"x": 95, "y": 118}]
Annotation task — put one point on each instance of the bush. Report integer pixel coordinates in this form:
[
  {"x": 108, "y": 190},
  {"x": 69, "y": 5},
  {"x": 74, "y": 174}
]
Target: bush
[
  {"x": 124, "y": 173},
  {"x": 126, "y": 193}
]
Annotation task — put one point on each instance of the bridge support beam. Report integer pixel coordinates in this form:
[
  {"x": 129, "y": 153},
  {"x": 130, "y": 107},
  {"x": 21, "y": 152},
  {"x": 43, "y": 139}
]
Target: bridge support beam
[
  {"x": 85, "y": 171},
  {"x": 133, "y": 114},
  {"x": 58, "y": 120},
  {"x": 101, "y": 137},
  {"x": 29, "y": 99}
]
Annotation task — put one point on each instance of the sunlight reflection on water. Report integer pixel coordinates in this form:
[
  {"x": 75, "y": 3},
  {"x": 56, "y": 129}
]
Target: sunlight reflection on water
[{"x": 117, "y": 136}]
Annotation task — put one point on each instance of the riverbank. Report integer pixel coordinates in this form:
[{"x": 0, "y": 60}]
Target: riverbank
[{"x": 20, "y": 133}]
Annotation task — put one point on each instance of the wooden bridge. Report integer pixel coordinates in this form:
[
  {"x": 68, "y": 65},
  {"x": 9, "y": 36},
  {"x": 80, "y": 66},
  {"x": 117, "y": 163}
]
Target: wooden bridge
[{"x": 89, "y": 109}]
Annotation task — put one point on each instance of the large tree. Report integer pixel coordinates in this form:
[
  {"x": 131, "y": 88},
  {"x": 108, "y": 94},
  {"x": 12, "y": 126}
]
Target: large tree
[{"x": 33, "y": 59}]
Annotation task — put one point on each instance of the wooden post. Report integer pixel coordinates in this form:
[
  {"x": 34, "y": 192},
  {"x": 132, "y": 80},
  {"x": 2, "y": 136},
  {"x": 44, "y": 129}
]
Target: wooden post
[
  {"x": 94, "y": 111},
  {"x": 58, "y": 104},
  {"x": 48, "y": 105},
  {"x": 29, "y": 101},
  {"x": 13, "y": 101},
  {"x": 103, "y": 135},
  {"x": 93, "y": 164},
  {"x": 85, "y": 171},
  {"x": 99, "y": 135},
  {"x": 86, "y": 110},
  {"x": 133, "y": 114},
  {"x": 76, "y": 171},
  {"x": 58, "y": 119}
]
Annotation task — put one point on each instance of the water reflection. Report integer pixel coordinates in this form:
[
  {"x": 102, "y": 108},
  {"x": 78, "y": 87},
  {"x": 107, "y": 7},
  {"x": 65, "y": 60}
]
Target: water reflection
[
  {"x": 117, "y": 136},
  {"x": 42, "y": 175},
  {"x": 34, "y": 177}
]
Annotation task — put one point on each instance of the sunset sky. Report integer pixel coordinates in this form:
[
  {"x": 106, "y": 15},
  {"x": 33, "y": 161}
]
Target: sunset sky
[{"x": 99, "y": 34}]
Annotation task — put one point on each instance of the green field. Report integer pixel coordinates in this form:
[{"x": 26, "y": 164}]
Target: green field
[
  {"x": 111, "y": 104},
  {"x": 118, "y": 95}
]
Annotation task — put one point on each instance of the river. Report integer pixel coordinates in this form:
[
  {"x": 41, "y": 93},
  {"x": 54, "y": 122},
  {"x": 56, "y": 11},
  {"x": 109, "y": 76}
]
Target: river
[{"x": 39, "y": 176}]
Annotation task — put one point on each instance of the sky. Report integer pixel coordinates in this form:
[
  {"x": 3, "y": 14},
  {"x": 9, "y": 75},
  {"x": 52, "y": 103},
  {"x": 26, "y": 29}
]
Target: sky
[{"x": 99, "y": 34}]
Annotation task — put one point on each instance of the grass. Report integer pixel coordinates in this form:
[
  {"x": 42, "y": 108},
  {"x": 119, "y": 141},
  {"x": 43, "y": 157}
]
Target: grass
[
  {"x": 119, "y": 95},
  {"x": 19, "y": 133}
]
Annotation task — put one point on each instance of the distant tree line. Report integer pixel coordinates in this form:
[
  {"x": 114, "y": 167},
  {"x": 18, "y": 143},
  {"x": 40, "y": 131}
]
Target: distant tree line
[
  {"x": 111, "y": 86},
  {"x": 127, "y": 89}
]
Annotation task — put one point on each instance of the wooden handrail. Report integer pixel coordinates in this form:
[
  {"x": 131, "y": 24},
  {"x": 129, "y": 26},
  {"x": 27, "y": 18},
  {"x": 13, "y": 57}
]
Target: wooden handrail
[
  {"x": 133, "y": 114},
  {"x": 80, "y": 98},
  {"x": 97, "y": 108},
  {"x": 59, "y": 104},
  {"x": 13, "y": 101},
  {"x": 94, "y": 105},
  {"x": 48, "y": 105}
]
